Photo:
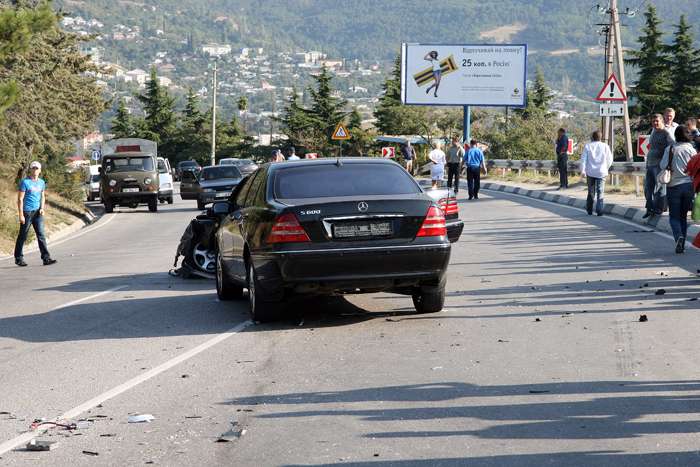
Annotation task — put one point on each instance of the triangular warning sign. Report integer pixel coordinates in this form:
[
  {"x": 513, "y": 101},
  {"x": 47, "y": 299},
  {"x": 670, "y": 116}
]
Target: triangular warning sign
[
  {"x": 340, "y": 133},
  {"x": 612, "y": 91}
]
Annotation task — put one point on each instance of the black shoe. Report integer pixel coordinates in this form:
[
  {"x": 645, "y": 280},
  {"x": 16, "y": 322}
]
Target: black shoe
[
  {"x": 680, "y": 245},
  {"x": 590, "y": 213},
  {"x": 471, "y": 198},
  {"x": 20, "y": 262},
  {"x": 476, "y": 196},
  {"x": 647, "y": 214},
  {"x": 49, "y": 262},
  {"x": 600, "y": 214}
]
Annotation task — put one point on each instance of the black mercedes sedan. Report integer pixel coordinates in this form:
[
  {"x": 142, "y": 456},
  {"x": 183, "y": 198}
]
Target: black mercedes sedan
[{"x": 330, "y": 226}]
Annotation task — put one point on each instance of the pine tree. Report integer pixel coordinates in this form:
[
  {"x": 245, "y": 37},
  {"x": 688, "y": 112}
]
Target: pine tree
[
  {"x": 296, "y": 122},
  {"x": 326, "y": 110},
  {"x": 160, "y": 120},
  {"x": 538, "y": 100},
  {"x": 122, "y": 124},
  {"x": 361, "y": 140},
  {"x": 393, "y": 118},
  {"x": 654, "y": 80},
  {"x": 192, "y": 117},
  {"x": 685, "y": 70}
]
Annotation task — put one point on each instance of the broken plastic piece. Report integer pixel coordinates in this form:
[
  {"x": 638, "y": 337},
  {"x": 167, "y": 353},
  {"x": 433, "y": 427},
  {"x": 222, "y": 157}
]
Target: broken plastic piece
[
  {"x": 41, "y": 445},
  {"x": 643, "y": 318},
  {"x": 143, "y": 418}
]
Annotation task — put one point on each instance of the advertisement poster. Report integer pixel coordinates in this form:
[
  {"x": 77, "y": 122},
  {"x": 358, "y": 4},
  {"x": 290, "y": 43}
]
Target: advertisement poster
[{"x": 478, "y": 75}]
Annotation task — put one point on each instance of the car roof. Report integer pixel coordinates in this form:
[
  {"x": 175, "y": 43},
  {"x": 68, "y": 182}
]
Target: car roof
[
  {"x": 129, "y": 154},
  {"x": 275, "y": 166}
]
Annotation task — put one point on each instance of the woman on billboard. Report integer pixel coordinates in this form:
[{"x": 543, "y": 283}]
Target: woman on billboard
[{"x": 432, "y": 57}]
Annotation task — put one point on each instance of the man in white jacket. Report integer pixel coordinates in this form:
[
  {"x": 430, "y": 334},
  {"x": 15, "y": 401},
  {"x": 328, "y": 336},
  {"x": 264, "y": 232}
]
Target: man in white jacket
[{"x": 595, "y": 164}]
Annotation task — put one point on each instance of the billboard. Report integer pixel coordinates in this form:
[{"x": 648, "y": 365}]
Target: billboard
[{"x": 481, "y": 75}]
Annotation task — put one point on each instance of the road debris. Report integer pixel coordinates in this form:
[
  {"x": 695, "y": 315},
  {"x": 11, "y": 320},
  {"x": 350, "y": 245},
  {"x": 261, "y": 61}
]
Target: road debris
[
  {"x": 41, "y": 445},
  {"x": 392, "y": 320},
  {"x": 108, "y": 435},
  {"x": 660, "y": 292},
  {"x": 537, "y": 320},
  {"x": 502, "y": 340},
  {"x": 143, "y": 418},
  {"x": 437, "y": 368},
  {"x": 233, "y": 434},
  {"x": 91, "y": 453},
  {"x": 643, "y": 318},
  {"x": 538, "y": 391}
]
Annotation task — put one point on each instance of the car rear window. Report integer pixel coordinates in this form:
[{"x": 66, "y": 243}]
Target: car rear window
[{"x": 324, "y": 181}]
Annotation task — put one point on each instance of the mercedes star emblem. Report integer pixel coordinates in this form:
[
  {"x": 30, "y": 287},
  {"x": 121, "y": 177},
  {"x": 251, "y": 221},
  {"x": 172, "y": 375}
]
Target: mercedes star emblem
[{"x": 362, "y": 207}]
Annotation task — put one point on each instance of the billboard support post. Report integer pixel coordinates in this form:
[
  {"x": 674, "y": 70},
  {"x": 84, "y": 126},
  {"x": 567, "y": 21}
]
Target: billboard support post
[{"x": 467, "y": 125}]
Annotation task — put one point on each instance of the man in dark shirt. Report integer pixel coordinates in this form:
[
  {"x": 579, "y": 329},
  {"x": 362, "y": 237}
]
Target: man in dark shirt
[
  {"x": 692, "y": 125},
  {"x": 658, "y": 141},
  {"x": 455, "y": 153},
  {"x": 562, "y": 149}
]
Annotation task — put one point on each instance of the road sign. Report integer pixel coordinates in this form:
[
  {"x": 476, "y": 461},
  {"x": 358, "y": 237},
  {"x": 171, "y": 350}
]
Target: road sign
[
  {"x": 570, "y": 147},
  {"x": 311, "y": 155},
  {"x": 340, "y": 133},
  {"x": 95, "y": 155},
  {"x": 389, "y": 152},
  {"x": 643, "y": 145},
  {"x": 612, "y": 91},
  {"x": 612, "y": 110}
]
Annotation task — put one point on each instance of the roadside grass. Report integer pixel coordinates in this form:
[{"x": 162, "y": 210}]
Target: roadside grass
[{"x": 625, "y": 187}]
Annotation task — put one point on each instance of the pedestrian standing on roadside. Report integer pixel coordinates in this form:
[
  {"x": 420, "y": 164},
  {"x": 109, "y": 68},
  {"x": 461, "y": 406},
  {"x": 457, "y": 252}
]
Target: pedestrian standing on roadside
[
  {"x": 595, "y": 165},
  {"x": 475, "y": 162},
  {"x": 680, "y": 188},
  {"x": 30, "y": 206},
  {"x": 279, "y": 157},
  {"x": 562, "y": 149},
  {"x": 409, "y": 153},
  {"x": 437, "y": 170},
  {"x": 659, "y": 140},
  {"x": 455, "y": 154},
  {"x": 669, "y": 123},
  {"x": 692, "y": 124},
  {"x": 292, "y": 154}
]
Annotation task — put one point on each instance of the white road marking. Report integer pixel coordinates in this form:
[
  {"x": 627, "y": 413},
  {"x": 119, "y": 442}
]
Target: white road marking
[
  {"x": 130, "y": 384},
  {"x": 609, "y": 216},
  {"x": 98, "y": 225},
  {"x": 85, "y": 299}
]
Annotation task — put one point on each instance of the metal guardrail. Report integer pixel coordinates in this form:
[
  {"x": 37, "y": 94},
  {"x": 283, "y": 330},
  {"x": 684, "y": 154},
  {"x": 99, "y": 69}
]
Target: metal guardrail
[{"x": 619, "y": 168}]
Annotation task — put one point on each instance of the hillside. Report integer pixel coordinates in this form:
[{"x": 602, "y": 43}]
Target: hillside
[{"x": 373, "y": 29}]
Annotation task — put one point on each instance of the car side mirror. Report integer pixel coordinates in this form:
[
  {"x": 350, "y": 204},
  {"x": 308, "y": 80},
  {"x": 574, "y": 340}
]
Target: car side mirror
[{"x": 221, "y": 208}]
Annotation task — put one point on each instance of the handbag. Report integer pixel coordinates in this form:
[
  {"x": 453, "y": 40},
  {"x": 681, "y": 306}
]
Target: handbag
[{"x": 664, "y": 177}]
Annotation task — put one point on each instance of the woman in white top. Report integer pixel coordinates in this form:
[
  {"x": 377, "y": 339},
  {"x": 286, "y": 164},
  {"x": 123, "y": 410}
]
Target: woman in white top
[
  {"x": 680, "y": 189},
  {"x": 437, "y": 170},
  {"x": 432, "y": 57}
]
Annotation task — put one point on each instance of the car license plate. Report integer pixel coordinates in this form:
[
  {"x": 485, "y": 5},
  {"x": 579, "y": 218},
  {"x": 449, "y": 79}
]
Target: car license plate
[
  {"x": 224, "y": 194},
  {"x": 130, "y": 190},
  {"x": 366, "y": 229}
]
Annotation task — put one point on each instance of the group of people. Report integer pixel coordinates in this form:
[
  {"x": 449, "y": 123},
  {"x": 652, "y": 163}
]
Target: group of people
[
  {"x": 470, "y": 156},
  {"x": 278, "y": 156},
  {"x": 672, "y": 171},
  {"x": 672, "y": 168}
]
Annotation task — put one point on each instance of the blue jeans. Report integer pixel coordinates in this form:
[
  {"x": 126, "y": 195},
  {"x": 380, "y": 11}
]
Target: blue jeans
[
  {"x": 36, "y": 220},
  {"x": 596, "y": 189},
  {"x": 653, "y": 202},
  {"x": 680, "y": 203}
]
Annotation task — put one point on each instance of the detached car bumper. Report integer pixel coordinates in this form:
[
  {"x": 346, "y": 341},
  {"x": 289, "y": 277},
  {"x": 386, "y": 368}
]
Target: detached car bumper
[
  {"x": 353, "y": 270},
  {"x": 454, "y": 229}
]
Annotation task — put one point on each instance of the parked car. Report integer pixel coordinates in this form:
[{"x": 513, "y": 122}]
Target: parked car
[
  {"x": 321, "y": 227},
  {"x": 246, "y": 166},
  {"x": 165, "y": 178},
  {"x": 184, "y": 166},
  {"x": 189, "y": 185},
  {"x": 92, "y": 182},
  {"x": 217, "y": 183}
]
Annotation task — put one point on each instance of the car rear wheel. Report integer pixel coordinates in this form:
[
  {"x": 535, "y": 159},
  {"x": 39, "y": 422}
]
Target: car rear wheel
[
  {"x": 225, "y": 289},
  {"x": 429, "y": 301},
  {"x": 260, "y": 310}
]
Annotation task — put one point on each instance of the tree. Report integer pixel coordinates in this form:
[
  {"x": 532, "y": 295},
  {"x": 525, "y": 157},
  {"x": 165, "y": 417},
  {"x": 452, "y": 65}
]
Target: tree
[
  {"x": 685, "y": 69},
  {"x": 362, "y": 140},
  {"x": 192, "y": 140},
  {"x": 394, "y": 118},
  {"x": 242, "y": 104},
  {"x": 538, "y": 100},
  {"x": 231, "y": 140},
  {"x": 122, "y": 124},
  {"x": 652, "y": 62},
  {"x": 326, "y": 110},
  {"x": 18, "y": 26},
  {"x": 160, "y": 122},
  {"x": 297, "y": 124}
]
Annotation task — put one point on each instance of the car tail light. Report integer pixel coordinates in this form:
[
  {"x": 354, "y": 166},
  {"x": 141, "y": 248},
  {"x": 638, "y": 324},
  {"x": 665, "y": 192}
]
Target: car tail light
[
  {"x": 449, "y": 206},
  {"x": 433, "y": 224},
  {"x": 287, "y": 229}
]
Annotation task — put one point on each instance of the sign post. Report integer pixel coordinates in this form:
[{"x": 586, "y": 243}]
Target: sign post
[
  {"x": 340, "y": 134},
  {"x": 612, "y": 94}
]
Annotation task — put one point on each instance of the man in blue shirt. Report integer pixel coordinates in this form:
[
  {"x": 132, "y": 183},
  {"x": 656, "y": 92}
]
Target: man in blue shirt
[
  {"x": 562, "y": 150},
  {"x": 30, "y": 205},
  {"x": 474, "y": 160}
]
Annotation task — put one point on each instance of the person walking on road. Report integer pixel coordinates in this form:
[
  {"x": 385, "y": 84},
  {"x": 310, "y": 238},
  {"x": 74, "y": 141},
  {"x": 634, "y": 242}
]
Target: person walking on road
[
  {"x": 658, "y": 142},
  {"x": 455, "y": 154},
  {"x": 437, "y": 170},
  {"x": 30, "y": 206},
  {"x": 562, "y": 150},
  {"x": 408, "y": 153},
  {"x": 475, "y": 162},
  {"x": 680, "y": 188},
  {"x": 595, "y": 165}
]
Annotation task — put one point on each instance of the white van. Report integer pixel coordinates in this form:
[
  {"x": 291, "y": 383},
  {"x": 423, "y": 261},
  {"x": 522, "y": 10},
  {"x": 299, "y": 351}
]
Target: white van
[
  {"x": 92, "y": 182},
  {"x": 165, "y": 176}
]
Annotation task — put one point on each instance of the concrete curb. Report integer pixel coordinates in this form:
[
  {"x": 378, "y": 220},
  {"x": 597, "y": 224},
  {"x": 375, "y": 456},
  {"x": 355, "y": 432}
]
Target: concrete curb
[
  {"x": 87, "y": 219},
  {"x": 612, "y": 209}
]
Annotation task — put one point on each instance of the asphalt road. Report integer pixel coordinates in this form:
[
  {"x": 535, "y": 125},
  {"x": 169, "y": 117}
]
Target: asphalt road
[{"x": 538, "y": 359}]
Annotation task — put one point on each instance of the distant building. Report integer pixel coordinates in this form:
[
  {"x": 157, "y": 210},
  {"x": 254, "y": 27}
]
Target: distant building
[
  {"x": 216, "y": 50},
  {"x": 309, "y": 57},
  {"x": 165, "y": 81},
  {"x": 136, "y": 76}
]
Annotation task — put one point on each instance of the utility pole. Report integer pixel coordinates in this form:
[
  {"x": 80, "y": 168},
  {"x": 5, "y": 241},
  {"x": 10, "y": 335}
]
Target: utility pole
[
  {"x": 213, "y": 118},
  {"x": 621, "y": 69},
  {"x": 606, "y": 121}
]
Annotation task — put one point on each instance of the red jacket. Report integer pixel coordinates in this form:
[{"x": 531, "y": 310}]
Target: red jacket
[{"x": 694, "y": 171}]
